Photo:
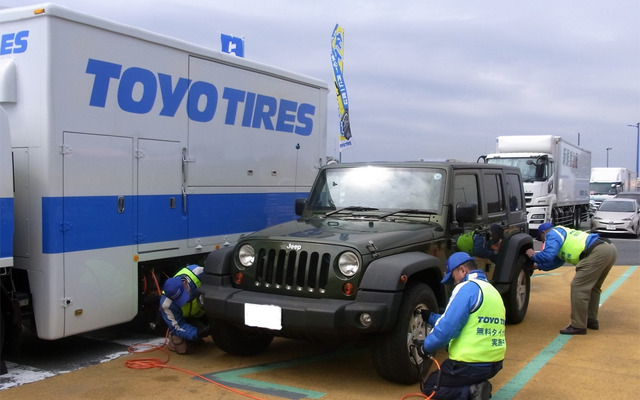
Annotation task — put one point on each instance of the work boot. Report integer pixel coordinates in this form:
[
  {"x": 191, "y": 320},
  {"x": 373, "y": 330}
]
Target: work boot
[
  {"x": 480, "y": 391},
  {"x": 177, "y": 344}
]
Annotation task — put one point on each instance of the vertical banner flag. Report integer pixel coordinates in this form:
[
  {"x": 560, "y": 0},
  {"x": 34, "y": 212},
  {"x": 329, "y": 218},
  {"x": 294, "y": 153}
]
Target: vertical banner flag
[
  {"x": 232, "y": 45},
  {"x": 337, "y": 56}
]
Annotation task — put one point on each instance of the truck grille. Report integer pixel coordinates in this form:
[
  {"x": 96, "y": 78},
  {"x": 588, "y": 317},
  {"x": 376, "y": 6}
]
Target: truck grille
[
  {"x": 528, "y": 196},
  {"x": 293, "y": 270}
]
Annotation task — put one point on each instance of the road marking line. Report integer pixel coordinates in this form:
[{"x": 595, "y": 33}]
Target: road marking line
[
  {"x": 233, "y": 377},
  {"x": 511, "y": 388}
]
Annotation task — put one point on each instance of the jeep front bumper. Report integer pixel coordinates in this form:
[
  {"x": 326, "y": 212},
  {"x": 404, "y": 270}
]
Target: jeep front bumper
[{"x": 369, "y": 312}]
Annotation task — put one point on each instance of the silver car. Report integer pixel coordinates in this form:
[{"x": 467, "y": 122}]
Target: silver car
[
  {"x": 629, "y": 195},
  {"x": 617, "y": 215}
]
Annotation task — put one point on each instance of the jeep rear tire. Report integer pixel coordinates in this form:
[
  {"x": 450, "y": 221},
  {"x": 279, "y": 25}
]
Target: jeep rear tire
[
  {"x": 391, "y": 351},
  {"x": 516, "y": 300},
  {"x": 239, "y": 341}
]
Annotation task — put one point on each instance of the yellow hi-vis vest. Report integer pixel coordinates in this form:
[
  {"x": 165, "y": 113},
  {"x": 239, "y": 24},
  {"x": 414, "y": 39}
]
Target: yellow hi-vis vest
[
  {"x": 574, "y": 244},
  {"x": 192, "y": 309},
  {"x": 482, "y": 339}
]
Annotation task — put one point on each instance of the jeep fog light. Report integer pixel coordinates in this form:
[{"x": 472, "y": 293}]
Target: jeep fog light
[
  {"x": 246, "y": 255},
  {"x": 365, "y": 320},
  {"x": 348, "y": 264}
]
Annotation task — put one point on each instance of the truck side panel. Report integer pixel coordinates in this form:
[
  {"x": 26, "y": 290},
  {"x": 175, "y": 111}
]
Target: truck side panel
[
  {"x": 6, "y": 193},
  {"x": 574, "y": 170},
  {"x": 125, "y": 160}
]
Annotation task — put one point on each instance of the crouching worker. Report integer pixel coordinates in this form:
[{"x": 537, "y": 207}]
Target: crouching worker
[
  {"x": 181, "y": 310},
  {"x": 473, "y": 326}
]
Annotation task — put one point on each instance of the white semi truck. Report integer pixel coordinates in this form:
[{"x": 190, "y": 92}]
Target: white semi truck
[
  {"x": 555, "y": 176},
  {"x": 135, "y": 154},
  {"x": 607, "y": 182}
]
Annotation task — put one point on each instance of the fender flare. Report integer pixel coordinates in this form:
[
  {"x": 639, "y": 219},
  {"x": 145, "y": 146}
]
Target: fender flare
[
  {"x": 511, "y": 248},
  {"x": 384, "y": 274},
  {"x": 218, "y": 262}
]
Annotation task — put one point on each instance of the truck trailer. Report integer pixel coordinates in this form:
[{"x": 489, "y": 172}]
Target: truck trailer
[
  {"x": 555, "y": 176},
  {"x": 135, "y": 154},
  {"x": 608, "y": 182}
]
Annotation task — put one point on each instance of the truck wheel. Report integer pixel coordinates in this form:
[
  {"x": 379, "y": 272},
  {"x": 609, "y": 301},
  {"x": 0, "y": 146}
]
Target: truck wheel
[
  {"x": 516, "y": 300},
  {"x": 239, "y": 341},
  {"x": 577, "y": 217},
  {"x": 391, "y": 351}
]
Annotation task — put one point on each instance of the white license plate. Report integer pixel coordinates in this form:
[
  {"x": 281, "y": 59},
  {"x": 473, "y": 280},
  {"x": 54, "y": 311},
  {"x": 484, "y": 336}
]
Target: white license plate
[
  {"x": 263, "y": 316},
  {"x": 611, "y": 227}
]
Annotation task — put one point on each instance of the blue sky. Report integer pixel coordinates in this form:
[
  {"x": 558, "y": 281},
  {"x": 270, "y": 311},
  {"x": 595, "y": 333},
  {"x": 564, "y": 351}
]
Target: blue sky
[{"x": 436, "y": 79}]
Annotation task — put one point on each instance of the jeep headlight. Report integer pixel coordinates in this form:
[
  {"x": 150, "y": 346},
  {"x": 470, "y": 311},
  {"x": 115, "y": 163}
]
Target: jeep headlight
[
  {"x": 348, "y": 263},
  {"x": 246, "y": 255}
]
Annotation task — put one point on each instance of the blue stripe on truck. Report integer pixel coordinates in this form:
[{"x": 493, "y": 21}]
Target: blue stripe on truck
[
  {"x": 6, "y": 227},
  {"x": 87, "y": 223}
]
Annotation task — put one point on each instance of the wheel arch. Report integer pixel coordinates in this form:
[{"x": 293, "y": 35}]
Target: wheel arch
[
  {"x": 386, "y": 274},
  {"x": 511, "y": 248}
]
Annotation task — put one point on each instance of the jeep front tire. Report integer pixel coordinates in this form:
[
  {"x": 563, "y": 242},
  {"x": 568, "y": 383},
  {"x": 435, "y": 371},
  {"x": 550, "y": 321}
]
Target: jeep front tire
[
  {"x": 391, "y": 351},
  {"x": 516, "y": 300}
]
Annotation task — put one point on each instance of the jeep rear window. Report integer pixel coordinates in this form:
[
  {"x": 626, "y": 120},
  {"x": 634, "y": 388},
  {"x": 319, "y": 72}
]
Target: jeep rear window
[{"x": 383, "y": 188}]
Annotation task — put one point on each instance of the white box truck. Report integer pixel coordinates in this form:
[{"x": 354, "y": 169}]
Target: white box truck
[
  {"x": 555, "y": 176},
  {"x": 607, "y": 182},
  {"x": 136, "y": 154}
]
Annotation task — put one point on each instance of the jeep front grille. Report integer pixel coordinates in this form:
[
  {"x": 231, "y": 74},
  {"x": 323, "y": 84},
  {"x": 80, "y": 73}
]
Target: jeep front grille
[{"x": 293, "y": 270}]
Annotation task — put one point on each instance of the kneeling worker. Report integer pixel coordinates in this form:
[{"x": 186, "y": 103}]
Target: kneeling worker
[
  {"x": 180, "y": 309},
  {"x": 473, "y": 326}
]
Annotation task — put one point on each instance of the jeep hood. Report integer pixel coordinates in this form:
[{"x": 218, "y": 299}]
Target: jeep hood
[{"x": 384, "y": 234}]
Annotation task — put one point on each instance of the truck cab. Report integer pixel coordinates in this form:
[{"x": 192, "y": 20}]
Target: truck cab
[{"x": 368, "y": 250}]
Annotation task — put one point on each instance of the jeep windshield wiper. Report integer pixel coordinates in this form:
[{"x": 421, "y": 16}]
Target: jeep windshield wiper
[
  {"x": 408, "y": 211},
  {"x": 351, "y": 208}
]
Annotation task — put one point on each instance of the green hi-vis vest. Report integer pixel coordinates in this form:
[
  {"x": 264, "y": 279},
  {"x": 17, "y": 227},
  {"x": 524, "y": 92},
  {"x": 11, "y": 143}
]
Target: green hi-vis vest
[
  {"x": 574, "y": 244},
  {"x": 482, "y": 339},
  {"x": 192, "y": 309}
]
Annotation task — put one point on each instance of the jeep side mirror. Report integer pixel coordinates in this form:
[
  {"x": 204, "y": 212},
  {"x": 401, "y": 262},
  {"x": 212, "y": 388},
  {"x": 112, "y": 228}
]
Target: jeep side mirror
[
  {"x": 300, "y": 206},
  {"x": 466, "y": 212}
]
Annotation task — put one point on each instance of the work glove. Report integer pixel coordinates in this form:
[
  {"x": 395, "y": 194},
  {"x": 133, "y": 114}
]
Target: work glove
[
  {"x": 204, "y": 331},
  {"x": 425, "y": 314},
  {"x": 420, "y": 348}
]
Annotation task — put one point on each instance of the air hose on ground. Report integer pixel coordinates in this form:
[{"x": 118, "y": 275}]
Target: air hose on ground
[
  {"x": 148, "y": 363},
  {"x": 413, "y": 351}
]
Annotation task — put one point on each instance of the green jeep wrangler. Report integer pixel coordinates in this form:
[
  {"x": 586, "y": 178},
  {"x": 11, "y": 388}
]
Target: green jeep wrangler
[{"x": 367, "y": 251}]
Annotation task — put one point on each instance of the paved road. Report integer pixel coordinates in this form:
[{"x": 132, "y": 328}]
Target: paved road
[{"x": 540, "y": 363}]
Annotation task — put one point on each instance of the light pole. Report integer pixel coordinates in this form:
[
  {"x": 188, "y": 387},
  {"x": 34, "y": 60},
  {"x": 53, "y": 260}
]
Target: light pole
[
  {"x": 608, "y": 148},
  {"x": 637, "y": 126}
]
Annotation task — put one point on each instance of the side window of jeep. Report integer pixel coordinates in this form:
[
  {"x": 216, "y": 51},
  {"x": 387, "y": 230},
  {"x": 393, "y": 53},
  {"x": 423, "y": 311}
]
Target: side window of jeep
[
  {"x": 493, "y": 189},
  {"x": 465, "y": 190},
  {"x": 514, "y": 193}
]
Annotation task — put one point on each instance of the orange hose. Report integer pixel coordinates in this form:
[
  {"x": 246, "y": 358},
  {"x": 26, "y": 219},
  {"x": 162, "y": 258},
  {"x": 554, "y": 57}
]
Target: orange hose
[
  {"x": 421, "y": 395},
  {"x": 148, "y": 363}
]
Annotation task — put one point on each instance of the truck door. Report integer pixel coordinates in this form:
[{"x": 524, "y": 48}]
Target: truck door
[
  {"x": 100, "y": 277},
  {"x": 162, "y": 218}
]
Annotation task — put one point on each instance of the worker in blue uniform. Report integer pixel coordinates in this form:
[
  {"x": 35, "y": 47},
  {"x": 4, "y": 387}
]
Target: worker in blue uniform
[
  {"x": 181, "y": 309},
  {"x": 473, "y": 328}
]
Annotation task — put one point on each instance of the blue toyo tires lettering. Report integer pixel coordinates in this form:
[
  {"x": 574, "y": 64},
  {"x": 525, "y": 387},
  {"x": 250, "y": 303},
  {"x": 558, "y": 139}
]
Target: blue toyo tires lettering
[
  {"x": 139, "y": 89},
  {"x": 13, "y": 42}
]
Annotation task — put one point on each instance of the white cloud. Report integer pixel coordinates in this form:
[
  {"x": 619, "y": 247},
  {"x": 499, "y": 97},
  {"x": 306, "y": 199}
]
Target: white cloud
[{"x": 424, "y": 76}]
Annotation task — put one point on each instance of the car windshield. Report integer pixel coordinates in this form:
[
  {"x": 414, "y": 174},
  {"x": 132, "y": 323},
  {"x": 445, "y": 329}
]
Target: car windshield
[
  {"x": 531, "y": 168},
  {"x": 602, "y": 188},
  {"x": 380, "y": 188},
  {"x": 629, "y": 196},
  {"x": 619, "y": 206}
]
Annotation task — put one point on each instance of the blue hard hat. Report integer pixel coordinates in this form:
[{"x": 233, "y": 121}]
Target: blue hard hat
[
  {"x": 454, "y": 262},
  {"x": 174, "y": 289},
  {"x": 543, "y": 228}
]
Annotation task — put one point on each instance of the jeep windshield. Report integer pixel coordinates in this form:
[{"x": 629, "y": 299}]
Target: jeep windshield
[{"x": 380, "y": 190}]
